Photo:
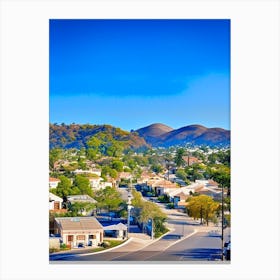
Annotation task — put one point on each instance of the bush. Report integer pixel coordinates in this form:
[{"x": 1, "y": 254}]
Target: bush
[
  {"x": 105, "y": 244},
  {"x": 163, "y": 198},
  {"x": 63, "y": 246},
  {"x": 170, "y": 205}
]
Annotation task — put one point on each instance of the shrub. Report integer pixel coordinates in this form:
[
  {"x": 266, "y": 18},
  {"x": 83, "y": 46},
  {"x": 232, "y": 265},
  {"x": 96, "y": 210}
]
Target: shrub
[{"x": 105, "y": 244}]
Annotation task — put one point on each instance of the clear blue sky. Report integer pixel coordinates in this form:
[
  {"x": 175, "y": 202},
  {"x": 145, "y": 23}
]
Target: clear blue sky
[{"x": 132, "y": 73}]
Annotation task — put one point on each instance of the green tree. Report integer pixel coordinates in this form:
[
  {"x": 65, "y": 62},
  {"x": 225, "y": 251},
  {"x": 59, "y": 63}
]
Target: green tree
[
  {"x": 152, "y": 211},
  {"x": 222, "y": 176},
  {"x": 117, "y": 165},
  {"x": 82, "y": 184},
  {"x": 179, "y": 157},
  {"x": 54, "y": 156},
  {"x": 64, "y": 187},
  {"x": 181, "y": 174},
  {"x": 157, "y": 168},
  {"x": 77, "y": 208},
  {"x": 108, "y": 198},
  {"x": 203, "y": 207}
]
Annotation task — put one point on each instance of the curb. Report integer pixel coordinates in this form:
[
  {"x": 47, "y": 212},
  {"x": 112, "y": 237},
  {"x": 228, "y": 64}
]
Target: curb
[{"x": 107, "y": 250}]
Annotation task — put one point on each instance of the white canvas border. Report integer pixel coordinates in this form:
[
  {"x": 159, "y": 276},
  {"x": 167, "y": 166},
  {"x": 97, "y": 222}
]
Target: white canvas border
[{"x": 254, "y": 125}]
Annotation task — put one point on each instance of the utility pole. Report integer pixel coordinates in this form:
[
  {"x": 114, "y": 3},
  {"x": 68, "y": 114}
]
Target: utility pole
[
  {"x": 152, "y": 231},
  {"x": 222, "y": 222},
  {"x": 129, "y": 207}
]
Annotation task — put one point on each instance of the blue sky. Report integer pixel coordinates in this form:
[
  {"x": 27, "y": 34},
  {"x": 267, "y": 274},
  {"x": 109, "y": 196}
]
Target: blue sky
[{"x": 132, "y": 73}]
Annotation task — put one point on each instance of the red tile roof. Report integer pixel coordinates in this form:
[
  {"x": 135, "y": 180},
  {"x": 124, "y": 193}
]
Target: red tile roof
[{"x": 53, "y": 179}]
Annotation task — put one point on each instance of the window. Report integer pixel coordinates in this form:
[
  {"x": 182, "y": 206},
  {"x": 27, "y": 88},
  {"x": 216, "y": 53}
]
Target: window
[
  {"x": 80, "y": 237},
  {"x": 70, "y": 238},
  {"x": 91, "y": 236}
]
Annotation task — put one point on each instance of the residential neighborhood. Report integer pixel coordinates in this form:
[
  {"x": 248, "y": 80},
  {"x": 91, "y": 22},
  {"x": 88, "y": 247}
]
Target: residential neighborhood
[{"x": 113, "y": 202}]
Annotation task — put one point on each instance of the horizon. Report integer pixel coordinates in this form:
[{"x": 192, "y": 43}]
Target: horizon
[
  {"x": 134, "y": 129},
  {"x": 129, "y": 72}
]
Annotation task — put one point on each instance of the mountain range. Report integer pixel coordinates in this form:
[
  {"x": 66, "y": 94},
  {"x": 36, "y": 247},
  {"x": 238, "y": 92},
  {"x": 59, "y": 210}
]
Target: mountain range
[
  {"x": 154, "y": 135},
  {"x": 161, "y": 135}
]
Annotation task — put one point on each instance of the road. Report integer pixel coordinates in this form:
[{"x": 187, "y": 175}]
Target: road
[{"x": 187, "y": 241}]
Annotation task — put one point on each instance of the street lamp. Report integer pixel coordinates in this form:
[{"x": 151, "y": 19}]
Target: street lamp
[{"x": 129, "y": 207}]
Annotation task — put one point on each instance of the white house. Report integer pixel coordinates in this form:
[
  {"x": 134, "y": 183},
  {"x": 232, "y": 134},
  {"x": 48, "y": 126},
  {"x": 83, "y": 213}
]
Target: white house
[
  {"x": 76, "y": 230},
  {"x": 53, "y": 182},
  {"x": 89, "y": 171},
  {"x": 98, "y": 183},
  {"x": 55, "y": 202}
]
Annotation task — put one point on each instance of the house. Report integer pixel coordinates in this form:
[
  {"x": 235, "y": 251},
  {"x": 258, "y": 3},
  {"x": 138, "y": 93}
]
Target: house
[
  {"x": 179, "y": 200},
  {"x": 79, "y": 230},
  {"x": 95, "y": 183},
  {"x": 191, "y": 160},
  {"x": 162, "y": 186},
  {"x": 55, "y": 202},
  {"x": 81, "y": 198},
  {"x": 125, "y": 176},
  {"x": 98, "y": 183},
  {"x": 53, "y": 182},
  {"x": 89, "y": 171}
]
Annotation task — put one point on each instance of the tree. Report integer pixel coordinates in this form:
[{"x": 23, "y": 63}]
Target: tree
[
  {"x": 203, "y": 207},
  {"x": 64, "y": 187},
  {"x": 77, "y": 208},
  {"x": 181, "y": 174},
  {"x": 152, "y": 211},
  {"x": 82, "y": 184},
  {"x": 117, "y": 165},
  {"x": 108, "y": 198},
  {"x": 157, "y": 168},
  {"x": 222, "y": 177},
  {"x": 179, "y": 157},
  {"x": 54, "y": 156}
]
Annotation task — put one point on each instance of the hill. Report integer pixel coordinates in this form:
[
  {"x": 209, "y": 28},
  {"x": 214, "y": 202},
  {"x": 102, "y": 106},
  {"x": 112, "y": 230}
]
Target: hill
[
  {"x": 192, "y": 134},
  {"x": 153, "y": 132},
  {"x": 78, "y": 136},
  {"x": 156, "y": 135}
]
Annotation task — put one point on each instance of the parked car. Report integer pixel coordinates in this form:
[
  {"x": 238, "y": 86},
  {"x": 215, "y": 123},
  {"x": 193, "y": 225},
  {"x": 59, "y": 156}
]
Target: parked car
[
  {"x": 81, "y": 245},
  {"x": 226, "y": 252}
]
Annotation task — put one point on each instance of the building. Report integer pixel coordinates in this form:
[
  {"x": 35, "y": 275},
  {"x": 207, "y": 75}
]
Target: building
[
  {"x": 79, "y": 230},
  {"x": 55, "y": 202},
  {"x": 191, "y": 160},
  {"x": 53, "y": 182},
  {"x": 96, "y": 172},
  {"x": 81, "y": 198}
]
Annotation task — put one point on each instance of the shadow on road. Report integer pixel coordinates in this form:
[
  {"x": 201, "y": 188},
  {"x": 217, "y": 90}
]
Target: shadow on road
[{"x": 200, "y": 254}]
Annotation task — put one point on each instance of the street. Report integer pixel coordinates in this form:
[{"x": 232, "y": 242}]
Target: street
[{"x": 187, "y": 240}]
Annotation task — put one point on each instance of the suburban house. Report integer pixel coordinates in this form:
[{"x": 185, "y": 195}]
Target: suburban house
[
  {"x": 98, "y": 183},
  {"x": 79, "y": 230},
  {"x": 53, "y": 182},
  {"x": 95, "y": 183},
  {"x": 125, "y": 176},
  {"x": 55, "y": 202},
  {"x": 179, "y": 200},
  {"x": 191, "y": 160},
  {"x": 81, "y": 198},
  {"x": 162, "y": 186},
  {"x": 89, "y": 171}
]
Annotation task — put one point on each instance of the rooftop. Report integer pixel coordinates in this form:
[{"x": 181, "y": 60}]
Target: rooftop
[{"x": 78, "y": 223}]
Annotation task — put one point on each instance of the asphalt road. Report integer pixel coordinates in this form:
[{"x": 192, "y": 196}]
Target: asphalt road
[{"x": 186, "y": 242}]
